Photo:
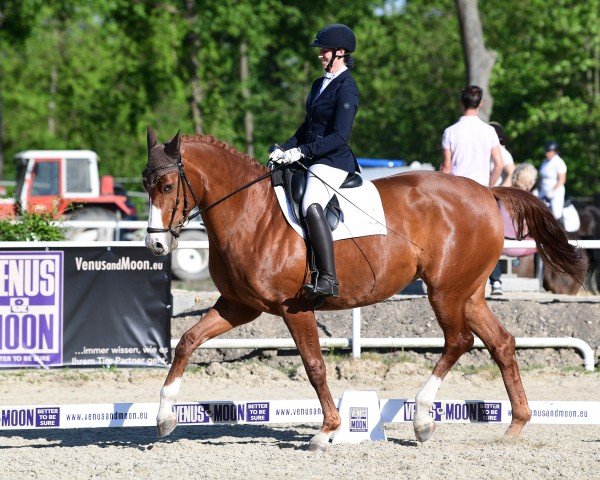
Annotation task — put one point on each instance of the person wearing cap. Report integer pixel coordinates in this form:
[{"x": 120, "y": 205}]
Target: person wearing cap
[
  {"x": 321, "y": 144},
  {"x": 553, "y": 176}
]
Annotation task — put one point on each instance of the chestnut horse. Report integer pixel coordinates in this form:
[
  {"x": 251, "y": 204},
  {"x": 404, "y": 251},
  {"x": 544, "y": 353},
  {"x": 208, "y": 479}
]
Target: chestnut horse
[{"x": 444, "y": 229}]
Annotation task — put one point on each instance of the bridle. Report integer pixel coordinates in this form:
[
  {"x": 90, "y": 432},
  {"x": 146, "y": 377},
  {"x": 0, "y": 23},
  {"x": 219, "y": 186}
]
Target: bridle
[
  {"x": 186, "y": 217},
  {"x": 182, "y": 179}
]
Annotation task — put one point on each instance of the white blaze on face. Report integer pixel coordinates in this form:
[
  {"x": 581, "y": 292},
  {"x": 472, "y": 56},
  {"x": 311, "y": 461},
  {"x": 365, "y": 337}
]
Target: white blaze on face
[{"x": 162, "y": 238}]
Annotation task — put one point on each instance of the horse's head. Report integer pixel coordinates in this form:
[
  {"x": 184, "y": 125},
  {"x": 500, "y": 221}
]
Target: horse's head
[{"x": 164, "y": 180}]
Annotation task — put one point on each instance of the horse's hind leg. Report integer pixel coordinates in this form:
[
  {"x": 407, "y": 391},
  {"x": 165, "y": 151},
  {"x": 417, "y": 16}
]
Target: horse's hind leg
[
  {"x": 450, "y": 313},
  {"x": 222, "y": 317},
  {"x": 501, "y": 346},
  {"x": 303, "y": 328}
]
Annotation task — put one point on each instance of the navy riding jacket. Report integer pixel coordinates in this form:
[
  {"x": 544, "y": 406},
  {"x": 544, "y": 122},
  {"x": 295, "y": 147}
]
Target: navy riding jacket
[{"x": 323, "y": 136}]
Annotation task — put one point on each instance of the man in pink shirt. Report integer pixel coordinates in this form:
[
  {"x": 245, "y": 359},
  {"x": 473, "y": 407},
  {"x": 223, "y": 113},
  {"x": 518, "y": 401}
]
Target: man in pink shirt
[
  {"x": 469, "y": 144},
  {"x": 467, "y": 147}
]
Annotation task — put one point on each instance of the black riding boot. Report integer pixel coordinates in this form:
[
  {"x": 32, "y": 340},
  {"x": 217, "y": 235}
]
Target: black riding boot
[{"x": 326, "y": 284}]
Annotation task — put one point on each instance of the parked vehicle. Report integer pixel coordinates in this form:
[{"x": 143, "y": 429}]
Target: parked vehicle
[
  {"x": 373, "y": 168},
  {"x": 191, "y": 263},
  {"x": 66, "y": 183}
]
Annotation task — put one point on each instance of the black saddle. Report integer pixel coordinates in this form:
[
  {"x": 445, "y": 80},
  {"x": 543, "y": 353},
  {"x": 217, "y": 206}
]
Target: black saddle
[{"x": 293, "y": 179}]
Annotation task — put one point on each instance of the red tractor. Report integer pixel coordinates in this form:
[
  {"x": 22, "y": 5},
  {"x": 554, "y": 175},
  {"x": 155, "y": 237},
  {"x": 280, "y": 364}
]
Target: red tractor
[{"x": 66, "y": 182}]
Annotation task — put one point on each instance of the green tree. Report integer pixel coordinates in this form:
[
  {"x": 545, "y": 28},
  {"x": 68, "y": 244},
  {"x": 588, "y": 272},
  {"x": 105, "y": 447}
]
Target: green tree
[
  {"x": 547, "y": 81},
  {"x": 94, "y": 74},
  {"x": 410, "y": 72}
]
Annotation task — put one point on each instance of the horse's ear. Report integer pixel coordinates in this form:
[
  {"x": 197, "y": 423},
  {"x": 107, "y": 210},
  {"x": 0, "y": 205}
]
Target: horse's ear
[
  {"x": 151, "y": 138},
  {"x": 172, "y": 148}
]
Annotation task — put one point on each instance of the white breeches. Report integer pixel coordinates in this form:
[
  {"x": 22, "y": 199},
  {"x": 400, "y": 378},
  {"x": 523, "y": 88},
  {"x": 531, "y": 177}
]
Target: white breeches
[
  {"x": 320, "y": 190},
  {"x": 557, "y": 202}
]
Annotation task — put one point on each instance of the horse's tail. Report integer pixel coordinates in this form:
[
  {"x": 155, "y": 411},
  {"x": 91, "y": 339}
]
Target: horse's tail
[{"x": 532, "y": 217}]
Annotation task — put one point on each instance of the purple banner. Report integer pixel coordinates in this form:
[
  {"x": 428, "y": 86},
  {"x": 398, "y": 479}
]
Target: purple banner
[
  {"x": 31, "y": 308},
  {"x": 459, "y": 411}
]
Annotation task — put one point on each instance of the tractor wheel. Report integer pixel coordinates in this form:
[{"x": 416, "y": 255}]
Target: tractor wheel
[
  {"x": 190, "y": 263},
  {"x": 92, "y": 234}
]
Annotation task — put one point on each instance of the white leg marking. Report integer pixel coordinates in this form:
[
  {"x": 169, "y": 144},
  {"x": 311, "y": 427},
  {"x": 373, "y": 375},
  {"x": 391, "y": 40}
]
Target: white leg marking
[
  {"x": 168, "y": 396},
  {"x": 320, "y": 442},
  {"x": 424, "y": 401}
]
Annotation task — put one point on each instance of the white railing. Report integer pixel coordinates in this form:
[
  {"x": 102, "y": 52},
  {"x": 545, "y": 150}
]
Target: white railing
[{"x": 357, "y": 343}]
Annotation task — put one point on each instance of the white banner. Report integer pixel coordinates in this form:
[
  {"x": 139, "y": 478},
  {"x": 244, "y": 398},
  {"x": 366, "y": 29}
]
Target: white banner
[{"x": 111, "y": 415}]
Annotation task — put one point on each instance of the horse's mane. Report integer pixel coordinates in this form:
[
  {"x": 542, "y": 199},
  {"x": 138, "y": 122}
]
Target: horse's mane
[{"x": 210, "y": 140}]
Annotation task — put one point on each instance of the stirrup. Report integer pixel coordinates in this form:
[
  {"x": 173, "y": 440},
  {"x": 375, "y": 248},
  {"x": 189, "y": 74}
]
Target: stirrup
[{"x": 328, "y": 287}]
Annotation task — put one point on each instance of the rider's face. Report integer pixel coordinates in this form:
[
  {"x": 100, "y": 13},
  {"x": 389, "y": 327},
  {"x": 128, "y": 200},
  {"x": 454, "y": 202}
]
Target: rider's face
[{"x": 325, "y": 55}]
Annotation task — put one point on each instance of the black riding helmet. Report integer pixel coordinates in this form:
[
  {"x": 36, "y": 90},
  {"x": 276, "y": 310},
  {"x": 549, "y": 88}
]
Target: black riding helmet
[
  {"x": 551, "y": 146},
  {"x": 335, "y": 36}
]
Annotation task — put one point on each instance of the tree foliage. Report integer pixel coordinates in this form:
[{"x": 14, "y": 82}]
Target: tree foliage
[{"x": 93, "y": 74}]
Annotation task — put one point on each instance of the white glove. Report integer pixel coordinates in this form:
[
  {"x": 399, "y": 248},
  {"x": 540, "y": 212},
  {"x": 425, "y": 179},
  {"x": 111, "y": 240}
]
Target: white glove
[
  {"x": 292, "y": 155},
  {"x": 276, "y": 155}
]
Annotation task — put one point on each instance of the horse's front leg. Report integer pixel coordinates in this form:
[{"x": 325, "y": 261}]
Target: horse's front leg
[
  {"x": 303, "y": 327},
  {"x": 222, "y": 317}
]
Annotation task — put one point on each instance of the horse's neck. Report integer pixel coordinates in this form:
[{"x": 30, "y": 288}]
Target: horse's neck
[{"x": 220, "y": 174}]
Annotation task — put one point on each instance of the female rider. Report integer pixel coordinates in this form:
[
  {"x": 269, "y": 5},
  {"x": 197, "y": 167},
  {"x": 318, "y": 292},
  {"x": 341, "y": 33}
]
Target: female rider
[{"x": 321, "y": 143}]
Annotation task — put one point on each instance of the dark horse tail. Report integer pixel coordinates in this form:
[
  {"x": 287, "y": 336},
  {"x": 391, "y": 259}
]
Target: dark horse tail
[{"x": 532, "y": 217}]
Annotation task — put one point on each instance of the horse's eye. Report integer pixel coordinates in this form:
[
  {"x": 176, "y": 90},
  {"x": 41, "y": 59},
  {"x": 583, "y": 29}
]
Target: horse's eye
[{"x": 168, "y": 188}]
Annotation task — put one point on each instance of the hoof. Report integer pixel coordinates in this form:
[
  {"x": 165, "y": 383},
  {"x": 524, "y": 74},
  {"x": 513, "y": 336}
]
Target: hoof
[
  {"x": 167, "y": 425},
  {"x": 319, "y": 443},
  {"x": 425, "y": 432},
  {"x": 514, "y": 431}
]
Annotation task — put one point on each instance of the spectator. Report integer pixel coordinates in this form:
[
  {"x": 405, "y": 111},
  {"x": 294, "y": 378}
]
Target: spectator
[
  {"x": 468, "y": 145},
  {"x": 505, "y": 180},
  {"x": 553, "y": 176},
  {"x": 508, "y": 164},
  {"x": 524, "y": 176}
]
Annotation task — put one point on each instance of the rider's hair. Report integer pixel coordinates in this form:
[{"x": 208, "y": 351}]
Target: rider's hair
[
  {"x": 470, "y": 96},
  {"x": 349, "y": 61}
]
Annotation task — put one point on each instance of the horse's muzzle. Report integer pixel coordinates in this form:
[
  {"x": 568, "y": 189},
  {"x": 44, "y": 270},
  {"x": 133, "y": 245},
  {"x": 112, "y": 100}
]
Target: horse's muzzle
[{"x": 163, "y": 246}]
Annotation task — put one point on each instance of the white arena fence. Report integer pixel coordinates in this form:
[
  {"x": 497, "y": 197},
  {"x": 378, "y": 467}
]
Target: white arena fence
[{"x": 355, "y": 342}]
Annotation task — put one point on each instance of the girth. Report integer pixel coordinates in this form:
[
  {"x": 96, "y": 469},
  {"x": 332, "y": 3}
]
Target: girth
[{"x": 293, "y": 179}]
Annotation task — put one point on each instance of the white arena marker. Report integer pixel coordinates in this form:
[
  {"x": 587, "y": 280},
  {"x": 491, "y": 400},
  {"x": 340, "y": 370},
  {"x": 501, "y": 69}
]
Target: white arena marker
[{"x": 361, "y": 418}]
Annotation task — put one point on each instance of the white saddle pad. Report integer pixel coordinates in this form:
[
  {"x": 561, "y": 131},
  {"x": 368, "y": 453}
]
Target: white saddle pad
[{"x": 367, "y": 219}]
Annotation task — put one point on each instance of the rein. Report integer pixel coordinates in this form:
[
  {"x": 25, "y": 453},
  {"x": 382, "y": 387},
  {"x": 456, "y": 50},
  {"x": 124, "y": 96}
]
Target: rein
[
  {"x": 249, "y": 184},
  {"x": 176, "y": 230}
]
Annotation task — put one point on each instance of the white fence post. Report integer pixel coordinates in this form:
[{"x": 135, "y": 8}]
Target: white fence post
[{"x": 356, "y": 342}]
